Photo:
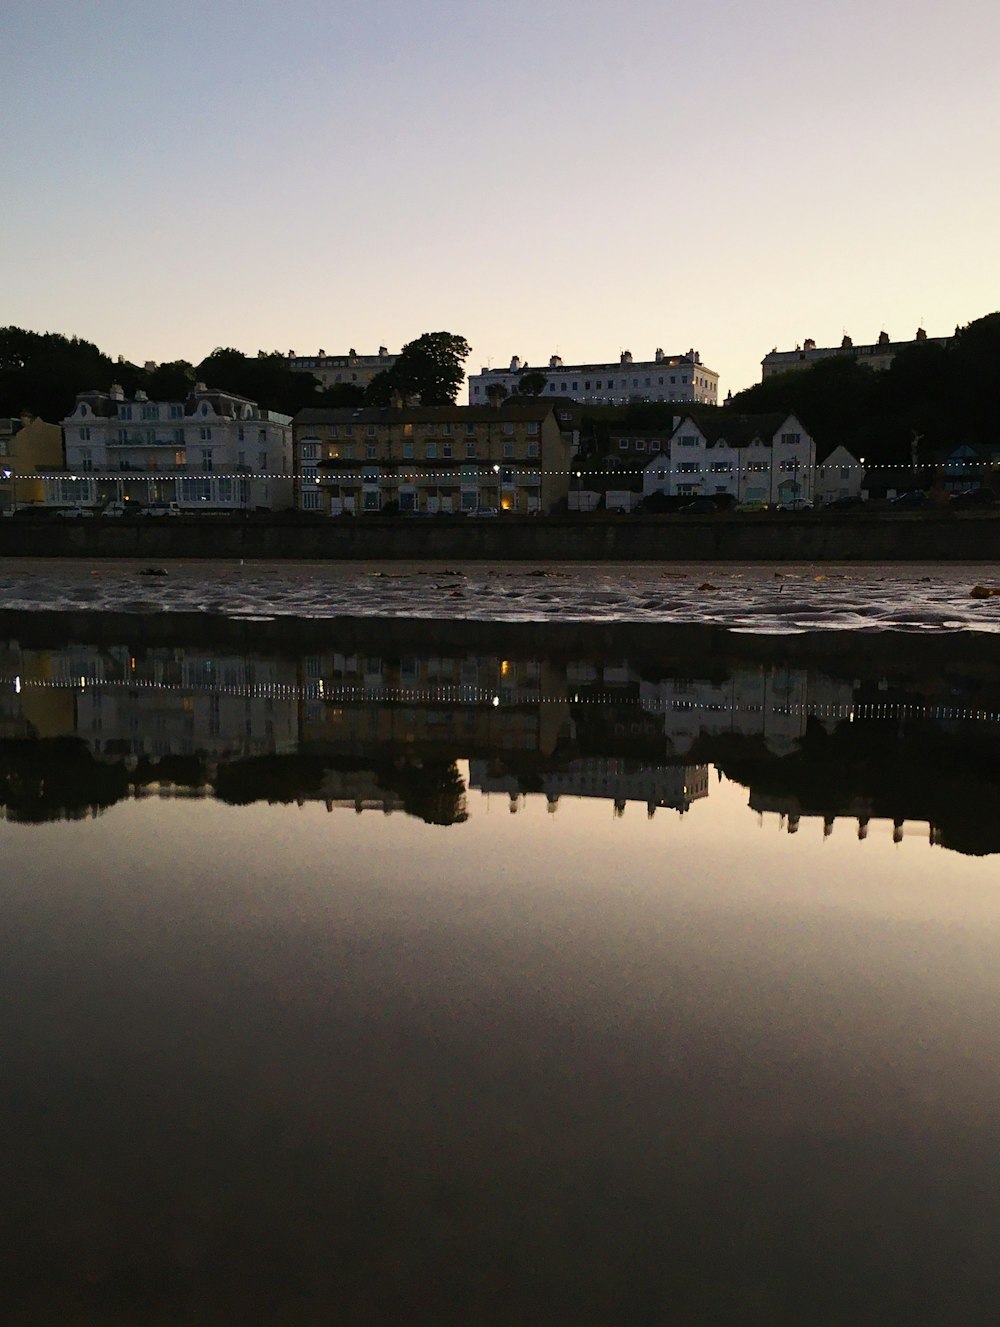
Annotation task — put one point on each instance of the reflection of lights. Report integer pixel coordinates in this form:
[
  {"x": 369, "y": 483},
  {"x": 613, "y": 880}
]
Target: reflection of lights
[
  {"x": 504, "y": 667},
  {"x": 83, "y": 682},
  {"x": 17, "y": 685},
  {"x": 496, "y": 701}
]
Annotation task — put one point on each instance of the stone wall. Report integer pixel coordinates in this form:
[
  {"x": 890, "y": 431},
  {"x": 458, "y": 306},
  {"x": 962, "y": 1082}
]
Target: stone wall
[{"x": 746, "y": 537}]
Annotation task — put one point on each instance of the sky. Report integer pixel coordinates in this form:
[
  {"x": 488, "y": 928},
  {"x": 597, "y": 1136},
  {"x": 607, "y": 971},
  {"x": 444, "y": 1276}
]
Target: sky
[{"x": 542, "y": 177}]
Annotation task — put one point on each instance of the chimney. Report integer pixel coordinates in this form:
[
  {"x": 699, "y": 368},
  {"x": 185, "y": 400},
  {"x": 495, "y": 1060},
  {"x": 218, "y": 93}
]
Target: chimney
[
  {"x": 883, "y": 338},
  {"x": 116, "y": 392},
  {"x": 383, "y": 352},
  {"x": 659, "y": 354},
  {"x": 847, "y": 343},
  {"x": 555, "y": 362},
  {"x": 808, "y": 344},
  {"x": 141, "y": 395},
  {"x": 626, "y": 357},
  {"x": 352, "y": 353},
  {"x": 515, "y": 364},
  {"x": 921, "y": 334}
]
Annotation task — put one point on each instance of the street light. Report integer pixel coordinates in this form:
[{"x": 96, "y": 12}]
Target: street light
[{"x": 9, "y": 475}]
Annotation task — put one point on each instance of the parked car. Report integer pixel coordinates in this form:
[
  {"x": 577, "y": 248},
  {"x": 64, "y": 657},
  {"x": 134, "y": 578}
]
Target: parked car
[
  {"x": 750, "y": 506},
  {"x": 161, "y": 509},
  {"x": 974, "y": 497},
  {"x": 74, "y": 513},
  {"x": 795, "y": 504},
  {"x": 850, "y": 503},
  {"x": 699, "y": 507},
  {"x": 916, "y": 497},
  {"x": 484, "y": 511},
  {"x": 116, "y": 509}
]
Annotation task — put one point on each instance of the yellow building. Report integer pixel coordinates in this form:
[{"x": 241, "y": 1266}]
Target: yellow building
[
  {"x": 431, "y": 459},
  {"x": 28, "y": 448}
]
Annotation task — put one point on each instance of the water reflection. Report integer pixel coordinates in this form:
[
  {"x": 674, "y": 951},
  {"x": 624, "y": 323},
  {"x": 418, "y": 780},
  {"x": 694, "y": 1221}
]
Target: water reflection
[{"x": 83, "y": 726}]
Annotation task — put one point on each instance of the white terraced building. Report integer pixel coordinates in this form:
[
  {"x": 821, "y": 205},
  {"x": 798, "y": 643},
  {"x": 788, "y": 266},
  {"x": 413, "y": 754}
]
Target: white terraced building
[
  {"x": 212, "y": 451},
  {"x": 765, "y": 459},
  {"x": 662, "y": 378}
]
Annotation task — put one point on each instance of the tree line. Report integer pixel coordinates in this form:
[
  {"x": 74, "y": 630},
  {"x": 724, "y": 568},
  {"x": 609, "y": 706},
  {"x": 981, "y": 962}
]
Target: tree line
[{"x": 43, "y": 372}]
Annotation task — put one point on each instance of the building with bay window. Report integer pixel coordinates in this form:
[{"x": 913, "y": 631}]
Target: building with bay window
[
  {"x": 431, "y": 459},
  {"x": 213, "y": 451},
  {"x": 765, "y": 459}
]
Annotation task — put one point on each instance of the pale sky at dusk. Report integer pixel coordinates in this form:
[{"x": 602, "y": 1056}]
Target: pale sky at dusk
[{"x": 540, "y": 176}]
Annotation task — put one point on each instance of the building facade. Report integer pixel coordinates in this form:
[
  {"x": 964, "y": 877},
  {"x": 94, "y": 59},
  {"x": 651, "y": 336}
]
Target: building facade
[
  {"x": 663, "y": 378},
  {"x": 213, "y": 451},
  {"x": 352, "y": 369},
  {"x": 766, "y": 459},
  {"x": 28, "y": 449},
  {"x": 878, "y": 355},
  {"x": 430, "y": 459}
]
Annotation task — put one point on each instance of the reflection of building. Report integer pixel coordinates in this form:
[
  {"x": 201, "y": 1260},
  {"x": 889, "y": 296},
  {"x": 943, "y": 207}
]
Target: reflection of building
[
  {"x": 662, "y": 378},
  {"x": 617, "y": 781},
  {"x": 215, "y": 450},
  {"x": 28, "y": 447},
  {"x": 771, "y": 703},
  {"x": 430, "y": 459},
  {"x": 179, "y": 703},
  {"x": 877, "y": 356},
  {"x": 444, "y": 707}
]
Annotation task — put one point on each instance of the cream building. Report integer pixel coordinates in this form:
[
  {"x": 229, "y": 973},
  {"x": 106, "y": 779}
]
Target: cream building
[
  {"x": 213, "y": 451},
  {"x": 662, "y": 378},
  {"x": 431, "y": 459},
  {"x": 879, "y": 355},
  {"x": 28, "y": 449},
  {"x": 351, "y": 370}
]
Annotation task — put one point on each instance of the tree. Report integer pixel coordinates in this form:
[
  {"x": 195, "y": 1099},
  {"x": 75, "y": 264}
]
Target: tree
[
  {"x": 531, "y": 384},
  {"x": 169, "y": 382},
  {"x": 428, "y": 369},
  {"x": 264, "y": 378},
  {"x": 496, "y": 394}
]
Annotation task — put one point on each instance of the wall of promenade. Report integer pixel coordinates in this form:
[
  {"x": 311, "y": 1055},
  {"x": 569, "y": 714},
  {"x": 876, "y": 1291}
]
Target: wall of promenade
[{"x": 911, "y": 536}]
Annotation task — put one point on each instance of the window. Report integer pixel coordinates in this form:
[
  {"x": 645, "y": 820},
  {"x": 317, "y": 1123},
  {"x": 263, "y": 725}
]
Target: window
[
  {"x": 688, "y": 468},
  {"x": 470, "y": 429},
  {"x": 635, "y": 382},
  {"x": 124, "y": 412},
  {"x": 151, "y": 436},
  {"x": 262, "y": 435},
  {"x": 654, "y": 444},
  {"x": 262, "y": 461},
  {"x": 150, "y": 412},
  {"x": 845, "y": 472},
  {"x": 308, "y": 451},
  {"x": 562, "y": 387},
  {"x": 576, "y": 387},
  {"x": 176, "y": 412},
  {"x": 623, "y": 444},
  {"x": 446, "y": 450},
  {"x": 508, "y": 448},
  {"x": 684, "y": 377},
  {"x": 123, "y": 435},
  {"x": 241, "y": 459},
  {"x": 225, "y": 490},
  {"x": 309, "y": 474},
  {"x": 688, "y": 440},
  {"x": 532, "y": 449},
  {"x": 446, "y": 430},
  {"x": 371, "y": 430},
  {"x": 206, "y": 460},
  {"x": 196, "y": 490},
  {"x": 586, "y": 386},
  {"x": 640, "y": 444},
  {"x": 407, "y": 451},
  {"x": 371, "y": 450},
  {"x": 85, "y": 435},
  {"x": 431, "y": 451},
  {"x": 86, "y": 460},
  {"x": 791, "y": 439},
  {"x": 470, "y": 450},
  {"x": 178, "y": 435},
  {"x": 533, "y": 429},
  {"x": 508, "y": 428},
  {"x": 205, "y": 434},
  {"x": 371, "y": 500},
  {"x": 552, "y": 386},
  {"x": 721, "y": 468},
  {"x": 241, "y": 435},
  {"x": 311, "y": 500}
]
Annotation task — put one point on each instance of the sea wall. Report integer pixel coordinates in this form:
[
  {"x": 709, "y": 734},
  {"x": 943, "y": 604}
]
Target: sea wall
[{"x": 746, "y": 537}]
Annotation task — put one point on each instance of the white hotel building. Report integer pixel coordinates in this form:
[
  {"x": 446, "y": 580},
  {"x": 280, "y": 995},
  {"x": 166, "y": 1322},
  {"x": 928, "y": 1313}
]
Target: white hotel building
[
  {"x": 213, "y": 451},
  {"x": 663, "y": 378}
]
